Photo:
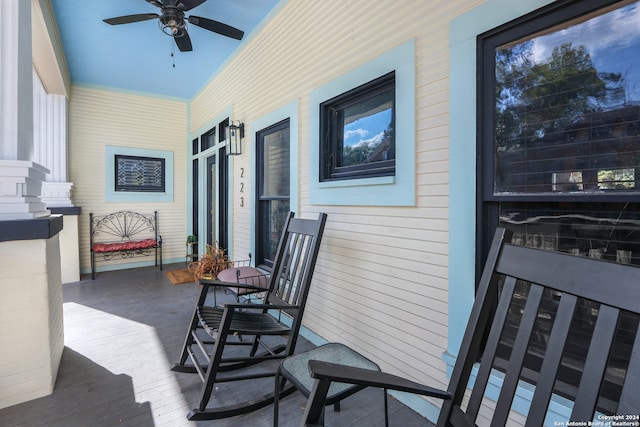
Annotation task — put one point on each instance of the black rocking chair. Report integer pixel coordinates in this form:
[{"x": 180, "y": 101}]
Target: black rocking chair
[
  {"x": 517, "y": 290},
  {"x": 216, "y": 344}
]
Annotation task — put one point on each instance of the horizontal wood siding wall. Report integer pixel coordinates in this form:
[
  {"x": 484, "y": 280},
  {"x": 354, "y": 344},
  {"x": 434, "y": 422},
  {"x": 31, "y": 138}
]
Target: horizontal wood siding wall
[
  {"x": 381, "y": 280},
  {"x": 98, "y": 118}
]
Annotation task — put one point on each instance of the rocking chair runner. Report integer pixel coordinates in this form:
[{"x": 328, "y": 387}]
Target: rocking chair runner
[
  {"x": 216, "y": 343},
  {"x": 610, "y": 291}
]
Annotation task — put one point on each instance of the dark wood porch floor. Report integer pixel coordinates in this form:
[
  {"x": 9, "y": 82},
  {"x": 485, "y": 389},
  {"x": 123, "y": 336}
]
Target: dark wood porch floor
[{"x": 123, "y": 331}]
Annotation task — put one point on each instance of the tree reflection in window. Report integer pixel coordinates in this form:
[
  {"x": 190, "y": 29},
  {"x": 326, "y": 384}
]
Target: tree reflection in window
[
  {"x": 559, "y": 101},
  {"x": 357, "y": 135},
  {"x": 567, "y": 103}
]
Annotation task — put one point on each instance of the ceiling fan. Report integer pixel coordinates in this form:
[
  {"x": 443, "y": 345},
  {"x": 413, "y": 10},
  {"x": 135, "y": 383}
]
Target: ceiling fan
[{"x": 173, "y": 22}]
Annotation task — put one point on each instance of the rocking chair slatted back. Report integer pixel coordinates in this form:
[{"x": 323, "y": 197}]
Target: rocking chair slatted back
[
  {"x": 571, "y": 283},
  {"x": 559, "y": 326},
  {"x": 293, "y": 268},
  {"x": 296, "y": 248},
  {"x": 226, "y": 344}
]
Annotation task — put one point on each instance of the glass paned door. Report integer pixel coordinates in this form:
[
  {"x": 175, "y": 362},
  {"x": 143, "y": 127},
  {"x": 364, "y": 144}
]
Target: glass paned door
[
  {"x": 210, "y": 188},
  {"x": 217, "y": 200},
  {"x": 211, "y": 197},
  {"x": 273, "y": 189}
]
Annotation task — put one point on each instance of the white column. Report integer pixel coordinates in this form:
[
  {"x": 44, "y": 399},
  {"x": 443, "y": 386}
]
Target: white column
[
  {"x": 30, "y": 289},
  {"x": 50, "y": 143},
  {"x": 20, "y": 178},
  {"x": 16, "y": 104}
]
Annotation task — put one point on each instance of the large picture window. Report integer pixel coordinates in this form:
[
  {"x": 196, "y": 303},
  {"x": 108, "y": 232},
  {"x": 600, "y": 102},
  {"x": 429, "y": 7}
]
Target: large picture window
[
  {"x": 559, "y": 117},
  {"x": 561, "y": 130},
  {"x": 357, "y": 135}
]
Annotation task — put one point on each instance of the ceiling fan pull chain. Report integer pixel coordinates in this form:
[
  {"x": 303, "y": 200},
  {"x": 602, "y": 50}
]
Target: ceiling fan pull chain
[{"x": 173, "y": 56}]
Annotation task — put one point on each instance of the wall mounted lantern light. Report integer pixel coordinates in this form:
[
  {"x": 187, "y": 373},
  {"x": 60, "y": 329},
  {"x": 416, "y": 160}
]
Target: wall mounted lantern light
[{"x": 235, "y": 133}]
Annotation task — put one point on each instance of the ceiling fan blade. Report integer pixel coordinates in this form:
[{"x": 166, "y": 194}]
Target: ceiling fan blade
[
  {"x": 183, "y": 42},
  {"x": 217, "y": 27},
  {"x": 127, "y": 19},
  {"x": 155, "y": 3},
  {"x": 185, "y": 5}
]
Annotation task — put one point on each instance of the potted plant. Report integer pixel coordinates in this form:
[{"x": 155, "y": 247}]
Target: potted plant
[
  {"x": 192, "y": 248},
  {"x": 212, "y": 262}
]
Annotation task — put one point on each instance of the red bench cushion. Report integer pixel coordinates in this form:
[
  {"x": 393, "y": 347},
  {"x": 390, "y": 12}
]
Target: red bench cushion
[
  {"x": 124, "y": 246},
  {"x": 248, "y": 275}
]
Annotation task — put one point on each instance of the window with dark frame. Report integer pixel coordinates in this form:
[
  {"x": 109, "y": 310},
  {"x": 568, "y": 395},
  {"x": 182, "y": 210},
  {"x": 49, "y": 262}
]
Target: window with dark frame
[
  {"x": 195, "y": 174},
  {"x": 208, "y": 139},
  {"x": 559, "y": 139},
  {"x": 142, "y": 174},
  {"x": 357, "y": 132},
  {"x": 195, "y": 146},
  {"x": 222, "y": 129},
  {"x": 273, "y": 189}
]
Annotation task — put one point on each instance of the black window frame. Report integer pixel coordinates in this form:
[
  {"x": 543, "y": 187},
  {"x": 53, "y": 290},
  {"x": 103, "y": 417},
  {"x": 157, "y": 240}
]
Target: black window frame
[
  {"x": 222, "y": 129},
  {"x": 140, "y": 188},
  {"x": 195, "y": 173},
  {"x": 332, "y": 132},
  {"x": 195, "y": 146},
  {"x": 263, "y": 237},
  {"x": 208, "y": 139},
  {"x": 488, "y": 202}
]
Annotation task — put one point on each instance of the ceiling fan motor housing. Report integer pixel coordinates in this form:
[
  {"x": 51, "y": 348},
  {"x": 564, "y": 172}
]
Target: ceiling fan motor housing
[{"x": 172, "y": 21}]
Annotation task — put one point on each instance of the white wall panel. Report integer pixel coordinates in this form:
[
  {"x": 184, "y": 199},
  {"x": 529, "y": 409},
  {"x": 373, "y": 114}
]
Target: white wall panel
[
  {"x": 383, "y": 271},
  {"x": 98, "y": 118}
]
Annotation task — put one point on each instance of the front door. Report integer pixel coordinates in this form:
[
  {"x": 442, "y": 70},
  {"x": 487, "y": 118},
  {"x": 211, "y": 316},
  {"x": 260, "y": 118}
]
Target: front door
[{"x": 217, "y": 199}]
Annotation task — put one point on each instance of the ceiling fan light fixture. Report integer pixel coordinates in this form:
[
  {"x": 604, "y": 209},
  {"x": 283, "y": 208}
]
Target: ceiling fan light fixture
[
  {"x": 172, "y": 23},
  {"x": 173, "y": 28}
]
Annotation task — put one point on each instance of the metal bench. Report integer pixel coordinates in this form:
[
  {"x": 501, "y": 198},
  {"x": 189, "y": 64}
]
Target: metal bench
[{"x": 124, "y": 234}]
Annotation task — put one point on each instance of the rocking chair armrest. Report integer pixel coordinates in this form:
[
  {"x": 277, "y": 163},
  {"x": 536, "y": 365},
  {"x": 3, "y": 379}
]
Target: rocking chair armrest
[
  {"x": 261, "y": 306},
  {"x": 212, "y": 282},
  {"x": 207, "y": 283},
  {"x": 327, "y": 371}
]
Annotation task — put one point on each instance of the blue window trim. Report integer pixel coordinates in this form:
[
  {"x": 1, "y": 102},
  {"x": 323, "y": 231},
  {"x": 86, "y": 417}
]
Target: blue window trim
[
  {"x": 559, "y": 407},
  {"x": 462, "y": 201},
  {"x": 111, "y": 195},
  {"x": 288, "y": 111},
  {"x": 398, "y": 190}
]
